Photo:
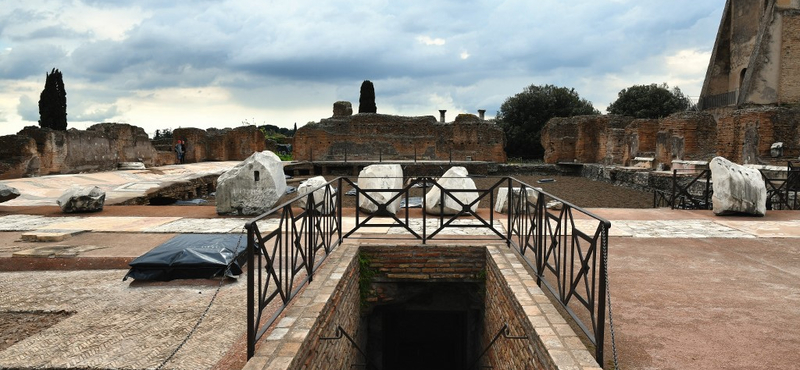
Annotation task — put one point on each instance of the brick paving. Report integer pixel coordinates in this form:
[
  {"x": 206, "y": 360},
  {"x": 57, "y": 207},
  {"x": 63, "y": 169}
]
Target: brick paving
[{"x": 120, "y": 325}]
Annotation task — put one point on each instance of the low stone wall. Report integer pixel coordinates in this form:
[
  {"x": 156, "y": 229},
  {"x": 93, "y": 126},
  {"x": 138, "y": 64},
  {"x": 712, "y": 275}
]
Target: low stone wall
[{"x": 370, "y": 136}]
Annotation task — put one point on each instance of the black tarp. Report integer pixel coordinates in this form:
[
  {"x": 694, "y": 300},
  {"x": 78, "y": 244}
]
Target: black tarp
[{"x": 191, "y": 256}]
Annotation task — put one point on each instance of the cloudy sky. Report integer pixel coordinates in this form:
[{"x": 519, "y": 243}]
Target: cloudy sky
[{"x": 223, "y": 63}]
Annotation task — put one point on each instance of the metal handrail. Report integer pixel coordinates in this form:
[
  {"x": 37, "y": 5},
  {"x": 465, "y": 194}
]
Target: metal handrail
[
  {"x": 339, "y": 333},
  {"x": 505, "y": 332},
  {"x": 565, "y": 255},
  {"x": 779, "y": 189},
  {"x": 680, "y": 195}
]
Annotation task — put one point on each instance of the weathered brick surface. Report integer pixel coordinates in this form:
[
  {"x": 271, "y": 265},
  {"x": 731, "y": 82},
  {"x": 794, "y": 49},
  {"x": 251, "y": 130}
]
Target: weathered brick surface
[
  {"x": 686, "y": 136},
  {"x": 372, "y": 136},
  {"x": 790, "y": 58},
  {"x": 584, "y": 139},
  {"x": 99, "y": 148},
  {"x": 331, "y": 300},
  {"x": 640, "y": 139},
  {"x": 341, "y": 309},
  {"x": 421, "y": 263},
  {"x": 746, "y": 135},
  {"x": 220, "y": 145},
  {"x": 502, "y": 308},
  {"x": 513, "y": 298}
]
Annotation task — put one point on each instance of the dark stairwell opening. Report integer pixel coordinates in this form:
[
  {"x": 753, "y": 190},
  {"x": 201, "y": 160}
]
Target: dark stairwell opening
[{"x": 425, "y": 325}]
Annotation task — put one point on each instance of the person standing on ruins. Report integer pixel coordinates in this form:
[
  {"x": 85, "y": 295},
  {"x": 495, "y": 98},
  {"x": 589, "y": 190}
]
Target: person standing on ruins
[
  {"x": 185, "y": 150},
  {"x": 179, "y": 150}
]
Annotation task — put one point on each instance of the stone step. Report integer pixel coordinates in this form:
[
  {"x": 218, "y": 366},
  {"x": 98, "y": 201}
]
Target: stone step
[{"x": 49, "y": 235}]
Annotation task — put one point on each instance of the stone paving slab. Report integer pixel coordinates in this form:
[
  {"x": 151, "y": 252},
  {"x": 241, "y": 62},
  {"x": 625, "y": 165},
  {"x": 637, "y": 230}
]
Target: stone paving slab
[
  {"x": 678, "y": 229},
  {"x": 118, "y": 185},
  {"x": 766, "y": 229},
  {"x": 204, "y": 226},
  {"x": 431, "y": 225},
  {"x": 30, "y": 222},
  {"x": 51, "y": 251},
  {"x": 49, "y": 235},
  {"x": 111, "y": 224}
]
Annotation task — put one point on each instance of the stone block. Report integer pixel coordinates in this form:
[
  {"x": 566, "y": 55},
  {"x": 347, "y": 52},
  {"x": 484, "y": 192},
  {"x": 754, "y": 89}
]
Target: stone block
[
  {"x": 79, "y": 199},
  {"x": 456, "y": 179},
  {"x": 325, "y": 200},
  {"x": 380, "y": 176},
  {"x": 501, "y": 203},
  {"x": 251, "y": 187},
  {"x": 737, "y": 189},
  {"x": 8, "y": 193}
]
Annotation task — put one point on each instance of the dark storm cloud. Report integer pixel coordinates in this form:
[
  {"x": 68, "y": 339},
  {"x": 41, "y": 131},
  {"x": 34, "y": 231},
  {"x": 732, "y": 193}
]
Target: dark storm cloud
[{"x": 26, "y": 60}]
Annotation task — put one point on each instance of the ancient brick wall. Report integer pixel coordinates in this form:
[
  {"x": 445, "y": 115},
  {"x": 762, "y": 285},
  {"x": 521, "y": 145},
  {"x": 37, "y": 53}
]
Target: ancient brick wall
[
  {"x": 342, "y": 309},
  {"x": 686, "y": 136},
  {"x": 745, "y": 136},
  {"x": 18, "y": 157},
  {"x": 100, "y": 147},
  {"x": 220, "y": 145},
  {"x": 640, "y": 140},
  {"x": 585, "y": 139},
  {"x": 559, "y": 139},
  {"x": 413, "y": 263},
  {"x": 742, "y": 136},
  {"x": 789, "y": 89},
  {"x": 502, "y": 308},
  {"x": 374, "y": 136}
]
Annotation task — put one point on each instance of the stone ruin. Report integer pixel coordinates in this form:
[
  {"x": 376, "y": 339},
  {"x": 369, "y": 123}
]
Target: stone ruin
[
  {"x": 373, "y": 136},
  {"x": 227, "y": 144},
  {"x": 36, "y": 151},
  {"x": 749, "y": 103},
  {"x": 743, "y": 136}
]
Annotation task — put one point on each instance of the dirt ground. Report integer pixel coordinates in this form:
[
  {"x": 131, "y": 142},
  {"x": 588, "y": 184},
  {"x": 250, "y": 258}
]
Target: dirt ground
[
  {"x": 16, "y": 326},
  {"x": 579, "y": 191}
]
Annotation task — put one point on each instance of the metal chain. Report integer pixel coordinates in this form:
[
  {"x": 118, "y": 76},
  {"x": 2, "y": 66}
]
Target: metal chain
[
  {"x": 208, "y": 308},
  {"x": 608, "y": 298}
]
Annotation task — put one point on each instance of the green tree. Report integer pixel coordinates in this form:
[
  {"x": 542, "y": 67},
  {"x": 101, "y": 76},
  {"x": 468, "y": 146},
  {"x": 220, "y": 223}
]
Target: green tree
[
  {"x": 523, "y": 116},
  {"x": 366, "y": 100},
  {"x": 53, "y": 102},
  {"x": 649, "y": 101}
]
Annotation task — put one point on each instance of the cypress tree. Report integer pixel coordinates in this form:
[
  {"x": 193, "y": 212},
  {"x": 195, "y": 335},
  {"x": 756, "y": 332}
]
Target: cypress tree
[
  {"x": 53, "y": 102},
  {"x": 366, "y": 101}
]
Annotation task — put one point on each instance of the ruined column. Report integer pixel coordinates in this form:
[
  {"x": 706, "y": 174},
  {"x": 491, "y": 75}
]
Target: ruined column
[
  {"x": 481, "y": 113},
  {"x": 441, "y": 115}
]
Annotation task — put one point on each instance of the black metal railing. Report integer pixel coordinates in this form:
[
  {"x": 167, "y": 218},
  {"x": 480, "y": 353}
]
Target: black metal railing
[
  {"x": 691, "y": 189},
  {"x": 504, "y": 332},
  {"x": 561, "y": 245},
  {"x": 464, "y": 201},
  {"x": 720, "y": 100},
  {"x": 782, "y": 191},
  {"x": 565, "y": 246},
  {"x": 341, "y": 333},
  {"x": 280, "y": 261}
]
